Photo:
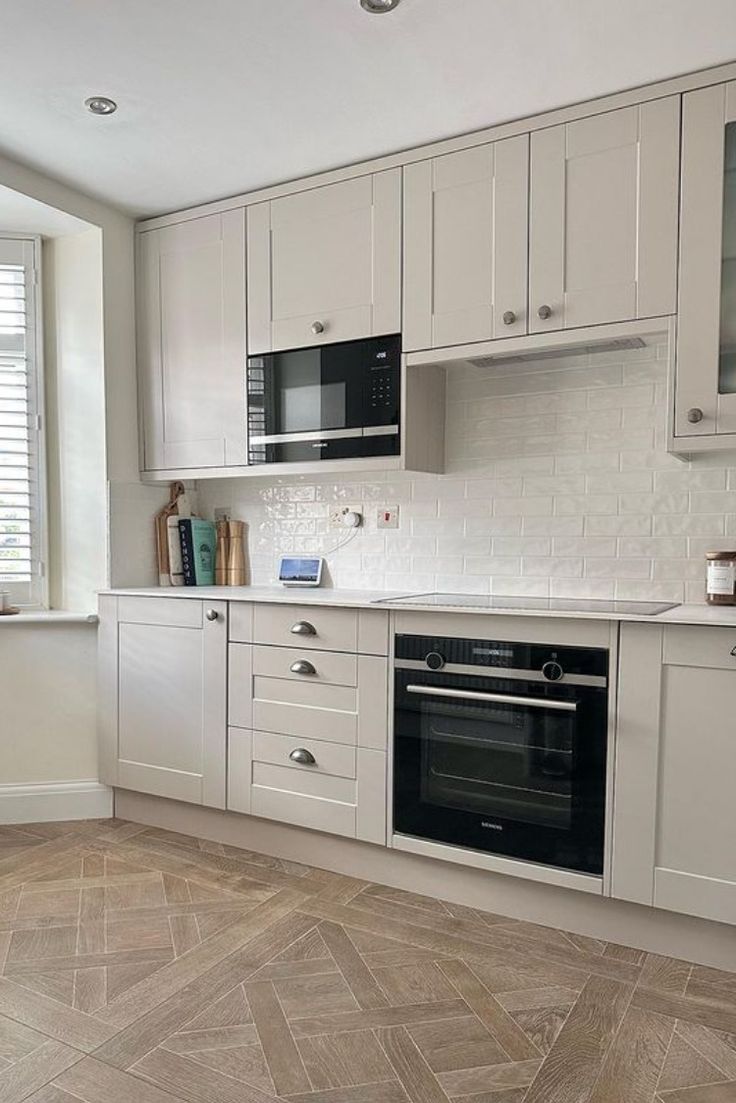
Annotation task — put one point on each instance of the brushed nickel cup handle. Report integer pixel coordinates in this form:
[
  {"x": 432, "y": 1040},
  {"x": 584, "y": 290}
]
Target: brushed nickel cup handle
[
  {"x": 302, "y": 666},
  {"x": 302, "y": 756},
  {"x": 303, "y": 628}
]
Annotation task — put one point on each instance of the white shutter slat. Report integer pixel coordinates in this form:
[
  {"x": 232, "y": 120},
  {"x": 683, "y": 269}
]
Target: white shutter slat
[{"x": 18, "y": 477}]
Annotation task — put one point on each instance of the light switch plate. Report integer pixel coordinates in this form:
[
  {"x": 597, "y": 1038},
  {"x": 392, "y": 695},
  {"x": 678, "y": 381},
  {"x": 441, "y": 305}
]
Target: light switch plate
[{"x": 387, "y": 517}]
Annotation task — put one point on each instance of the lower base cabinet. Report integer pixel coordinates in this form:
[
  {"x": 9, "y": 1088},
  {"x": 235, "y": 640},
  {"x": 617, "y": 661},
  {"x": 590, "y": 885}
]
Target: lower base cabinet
[
  {"x": 331, "y": 787},
  {"x": 675, "y": 809},
  {"x": 163, "y": 664}
]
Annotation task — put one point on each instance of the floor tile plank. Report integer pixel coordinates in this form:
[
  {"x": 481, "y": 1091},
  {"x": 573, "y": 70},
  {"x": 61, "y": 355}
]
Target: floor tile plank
[
  {"x": 494, "y": 1017},
  {"x": 359, "y": 978},
  {"x": 411, "y": 1069},
  {"x": 282, "y": 1055},
  {"x": 634, "y": 1061},
  {"x": 577, "y": 1054}
]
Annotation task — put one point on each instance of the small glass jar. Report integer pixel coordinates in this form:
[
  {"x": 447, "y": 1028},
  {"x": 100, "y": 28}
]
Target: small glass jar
[{"x": 720, "y": 586}]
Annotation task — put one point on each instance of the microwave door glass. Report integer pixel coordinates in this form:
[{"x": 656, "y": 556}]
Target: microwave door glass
[{"x": 305, "y": 400}]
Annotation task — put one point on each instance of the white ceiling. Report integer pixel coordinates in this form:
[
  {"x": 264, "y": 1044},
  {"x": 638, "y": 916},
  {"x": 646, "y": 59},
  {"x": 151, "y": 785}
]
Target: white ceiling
[
  {"x": 227, "y": 95},
  {"x": 20, "y": 214}
]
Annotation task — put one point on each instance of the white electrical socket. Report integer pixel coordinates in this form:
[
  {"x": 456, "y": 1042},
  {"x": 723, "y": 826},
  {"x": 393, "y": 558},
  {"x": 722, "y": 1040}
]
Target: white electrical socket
[
  {"x": 337, "y": 514},
  {"x": 387, "y": 517}
]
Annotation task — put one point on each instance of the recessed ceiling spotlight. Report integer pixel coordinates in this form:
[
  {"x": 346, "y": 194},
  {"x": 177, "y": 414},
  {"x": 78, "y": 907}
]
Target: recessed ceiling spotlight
[
  {"x": 377, "y": 7},
  {"x": 100, "y": 105}
]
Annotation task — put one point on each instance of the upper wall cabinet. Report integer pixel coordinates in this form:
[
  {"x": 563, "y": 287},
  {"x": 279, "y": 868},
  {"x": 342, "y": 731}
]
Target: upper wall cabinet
[
  {"x": 325, "y": 264},
  {"x": 465, "y": 245},
  {"x": 191, "y": 343},
  {"x": 705, "y": 391},
  {"x": 603, "y": 218}
]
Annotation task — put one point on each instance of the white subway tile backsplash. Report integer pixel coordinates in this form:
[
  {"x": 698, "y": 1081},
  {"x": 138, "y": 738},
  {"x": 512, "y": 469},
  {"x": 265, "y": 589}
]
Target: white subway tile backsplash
[{"x": 558, "y": 484}]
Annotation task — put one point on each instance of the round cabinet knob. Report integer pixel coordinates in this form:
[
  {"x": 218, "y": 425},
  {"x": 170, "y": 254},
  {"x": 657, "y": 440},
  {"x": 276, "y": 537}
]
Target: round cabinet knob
[
  {"x": 545, "y": 312},
  {"x": 552, "y": 671},
  {"x": 435, "y": 661},
  {"x": 302, "y": 666},
  {"x": 302, "y": 756},
  {"x": 318, "y": 327},
  {"x": 303, "y": 628},
  {"x": 508, "y": 317},
  {"x": 695, "y": 415},
  {"x": 212, "y": 614}
]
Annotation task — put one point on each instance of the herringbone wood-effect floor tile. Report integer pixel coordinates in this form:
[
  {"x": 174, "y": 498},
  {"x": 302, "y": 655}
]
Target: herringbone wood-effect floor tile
[{"x": 141, "y": 965}]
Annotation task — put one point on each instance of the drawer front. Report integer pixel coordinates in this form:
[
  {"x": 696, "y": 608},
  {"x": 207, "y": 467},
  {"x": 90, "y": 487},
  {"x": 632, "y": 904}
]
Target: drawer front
[
  {"x": 306, "y": 627},
  {"x": 332, "y": 816},
  {"x": 333, "y": 667},
  {"x": 690, "y": 645},
  {"x": 306, "y": 722},
  {"x": 337, "y": 759},
  {"x": 260, "y": 784}
]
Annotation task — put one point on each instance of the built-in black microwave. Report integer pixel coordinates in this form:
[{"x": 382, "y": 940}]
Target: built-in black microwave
[{"x": 329, "y": 402}]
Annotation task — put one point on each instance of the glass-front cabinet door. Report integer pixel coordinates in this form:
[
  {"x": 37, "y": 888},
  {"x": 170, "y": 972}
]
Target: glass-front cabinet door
[{"x": 705, "y": 388}]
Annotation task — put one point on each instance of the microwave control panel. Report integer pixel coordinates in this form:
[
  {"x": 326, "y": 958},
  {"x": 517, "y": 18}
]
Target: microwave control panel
[{"x": 382, "y": 388}]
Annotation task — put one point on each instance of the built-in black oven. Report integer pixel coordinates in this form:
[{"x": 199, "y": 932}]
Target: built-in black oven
[
  {"x": 333, "y": 401},
  {"x": 501, "y": 747}
]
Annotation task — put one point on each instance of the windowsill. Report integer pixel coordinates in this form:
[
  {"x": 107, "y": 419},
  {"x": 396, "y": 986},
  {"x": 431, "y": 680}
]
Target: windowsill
[{"x": 49, "y": 616}]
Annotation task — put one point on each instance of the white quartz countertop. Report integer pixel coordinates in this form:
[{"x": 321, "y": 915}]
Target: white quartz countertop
[{"x": 723, "y": 616}]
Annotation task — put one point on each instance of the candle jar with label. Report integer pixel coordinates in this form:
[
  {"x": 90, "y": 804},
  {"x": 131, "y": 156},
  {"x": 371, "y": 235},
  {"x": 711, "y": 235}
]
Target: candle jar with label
[{"x": 720, "y": 586}]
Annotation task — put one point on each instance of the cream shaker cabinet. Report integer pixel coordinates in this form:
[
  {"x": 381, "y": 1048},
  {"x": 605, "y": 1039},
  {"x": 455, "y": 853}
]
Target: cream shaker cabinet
[
  {"x": 324, "y": 264},
  {"x": 705, "y": 387},
  {"x": 191, "y": 344},
  {"x": 465, "y": 245},
  {"x": 308, "y": 715},
  {"x": 675, "y": 811},
  {"x": 603, "y": 217},
  {"x": 163, "y": 686}
]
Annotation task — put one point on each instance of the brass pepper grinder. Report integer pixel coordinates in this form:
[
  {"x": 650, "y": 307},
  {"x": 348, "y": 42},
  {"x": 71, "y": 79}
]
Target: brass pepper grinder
[
  {"x": 236, "y": 553},
  {"x": 221, "y": 554}
]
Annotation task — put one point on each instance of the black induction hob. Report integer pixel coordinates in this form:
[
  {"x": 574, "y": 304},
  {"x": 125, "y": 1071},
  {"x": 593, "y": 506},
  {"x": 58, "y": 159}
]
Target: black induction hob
[{"x": 533, "y": 604}]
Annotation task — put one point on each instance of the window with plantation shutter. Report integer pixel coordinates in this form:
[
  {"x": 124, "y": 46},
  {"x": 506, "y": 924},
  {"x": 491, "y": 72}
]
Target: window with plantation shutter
[{"x": 21, "y": 447}]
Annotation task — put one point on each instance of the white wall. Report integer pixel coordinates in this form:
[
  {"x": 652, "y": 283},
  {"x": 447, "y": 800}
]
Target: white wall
[
  {"x": 75, "y": 419},
  {"x": 47, "y": 704},
  {"x": 47, "y": 672},
  {"x": 558, "y": 484}
]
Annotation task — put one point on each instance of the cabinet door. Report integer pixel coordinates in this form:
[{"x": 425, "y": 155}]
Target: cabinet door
[
  {"x": 705, "y": 389},
  {"x": 465, "y": 245},
  {"x": 191, "y": 343},
  {"x": 696, "y": 851},
  {"x": 324, "y": 265},
  {"x": 603, "y": 217},
  {"x": 163, "y": 697}
]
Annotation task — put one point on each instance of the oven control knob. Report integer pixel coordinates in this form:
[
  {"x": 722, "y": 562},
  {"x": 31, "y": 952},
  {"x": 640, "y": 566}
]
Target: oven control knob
[
  {"x": 435, "y": 661},
  {"x": 552, "y": 671}
]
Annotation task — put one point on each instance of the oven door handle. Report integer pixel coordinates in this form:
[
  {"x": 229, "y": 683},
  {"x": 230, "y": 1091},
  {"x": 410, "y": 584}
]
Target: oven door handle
[{"x": 500, "y": 698}]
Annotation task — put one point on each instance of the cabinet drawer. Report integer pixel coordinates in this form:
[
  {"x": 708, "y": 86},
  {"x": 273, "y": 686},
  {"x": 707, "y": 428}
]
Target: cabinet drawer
[
  {"x": 330, "y": 758},
  {"x": 333, "y": 667},
  {"x": 307, "y": 707},
  {"x": 343, "y": 794},
  {"x": 305, "y": 721},
  {"x": 690, "y": 645},
  {"x": 323, "y": 629}
]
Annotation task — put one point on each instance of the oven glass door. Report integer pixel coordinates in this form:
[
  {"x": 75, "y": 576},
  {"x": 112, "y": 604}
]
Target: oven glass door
[{"x": 495, "y": 764}]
